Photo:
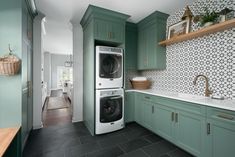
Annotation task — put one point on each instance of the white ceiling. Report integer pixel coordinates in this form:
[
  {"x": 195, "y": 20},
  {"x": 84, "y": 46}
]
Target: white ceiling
[{"x": 60, "y": 12}]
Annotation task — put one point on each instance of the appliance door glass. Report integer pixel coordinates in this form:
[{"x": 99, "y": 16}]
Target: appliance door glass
[
  {"x": 110, "y": 109},
  {"x": 110, "y": 66}
]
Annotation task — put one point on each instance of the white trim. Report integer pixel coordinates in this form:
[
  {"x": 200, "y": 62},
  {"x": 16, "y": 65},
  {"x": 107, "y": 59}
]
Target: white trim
[{"x": 37, "y": 60}]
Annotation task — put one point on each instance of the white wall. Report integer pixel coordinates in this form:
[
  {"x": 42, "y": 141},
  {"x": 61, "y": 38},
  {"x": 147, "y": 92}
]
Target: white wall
[
  {"x": 47, "y": 71},
  {"x": 77, "y": 96},
  {"x": 37, "y": 67}
]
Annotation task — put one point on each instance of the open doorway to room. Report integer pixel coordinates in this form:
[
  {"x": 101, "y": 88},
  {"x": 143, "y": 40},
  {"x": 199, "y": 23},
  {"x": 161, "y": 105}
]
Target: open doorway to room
[{"x": 57, "y": 73}]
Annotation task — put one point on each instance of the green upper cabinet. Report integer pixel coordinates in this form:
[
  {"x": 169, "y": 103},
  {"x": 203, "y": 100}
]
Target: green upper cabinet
[
  {"x": 151, "y": 30},
  {"x": 109, "y": 30},
  {"x": 220, "y": 133},
  {"x": 131, "y": 46},
  {"x": 109, "y": 26}
]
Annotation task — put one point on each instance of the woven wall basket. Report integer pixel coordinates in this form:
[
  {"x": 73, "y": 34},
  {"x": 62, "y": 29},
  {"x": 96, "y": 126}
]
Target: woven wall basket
[{"x": 9, "y": 65}]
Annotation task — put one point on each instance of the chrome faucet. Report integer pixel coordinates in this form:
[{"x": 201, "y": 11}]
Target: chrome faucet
[{"x": 207, "y": 91}]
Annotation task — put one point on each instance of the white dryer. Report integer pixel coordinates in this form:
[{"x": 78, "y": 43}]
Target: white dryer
[
  {"x": 109, "y": 110},
  {"x": 109, "y": 67}
]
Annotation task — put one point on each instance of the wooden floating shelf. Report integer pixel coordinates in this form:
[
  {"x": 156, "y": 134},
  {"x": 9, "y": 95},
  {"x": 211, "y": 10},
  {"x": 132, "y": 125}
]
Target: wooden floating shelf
[{"x": 205, "y": 31}]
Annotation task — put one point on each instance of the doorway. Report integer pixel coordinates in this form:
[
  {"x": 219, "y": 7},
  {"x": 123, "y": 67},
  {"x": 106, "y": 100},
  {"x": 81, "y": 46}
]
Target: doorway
[{"x": 57, "y": 73}]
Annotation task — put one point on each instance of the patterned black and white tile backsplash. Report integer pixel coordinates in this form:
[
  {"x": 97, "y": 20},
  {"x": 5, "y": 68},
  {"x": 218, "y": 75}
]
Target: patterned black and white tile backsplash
[{"x": 212, "y": 55}]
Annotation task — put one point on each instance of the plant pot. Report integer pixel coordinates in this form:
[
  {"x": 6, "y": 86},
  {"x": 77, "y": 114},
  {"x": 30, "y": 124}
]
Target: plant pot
[{"x": 207, "y": 24}]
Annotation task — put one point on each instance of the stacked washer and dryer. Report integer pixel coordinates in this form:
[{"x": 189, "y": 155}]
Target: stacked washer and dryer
[{"x": 109, "y": 106}]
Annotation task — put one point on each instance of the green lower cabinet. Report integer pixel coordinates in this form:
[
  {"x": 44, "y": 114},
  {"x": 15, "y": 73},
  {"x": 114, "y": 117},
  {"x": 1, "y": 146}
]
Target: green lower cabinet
[
  {"x": 190, "y": 130},
  {"x": 163, "y": 121},
  {"x": 138, "y": 108},
  {"x": 220, "y": 133},
  {"x": 185, "y": 129},
  {"x": 148, "y": 110},
  {"x": 129, "y": 107},
  {"x": 201, "y": 131}
]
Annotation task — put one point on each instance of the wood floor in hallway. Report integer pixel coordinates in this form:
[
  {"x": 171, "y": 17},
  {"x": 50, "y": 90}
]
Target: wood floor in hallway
[{"x": 53, "y": 117}]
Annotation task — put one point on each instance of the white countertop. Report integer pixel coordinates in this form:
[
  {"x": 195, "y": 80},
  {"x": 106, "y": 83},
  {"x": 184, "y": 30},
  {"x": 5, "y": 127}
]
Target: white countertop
[{"x": 226, "y": 104}]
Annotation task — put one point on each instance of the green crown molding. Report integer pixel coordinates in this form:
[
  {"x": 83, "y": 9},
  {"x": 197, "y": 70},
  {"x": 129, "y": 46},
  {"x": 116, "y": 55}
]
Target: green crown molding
[
  {"x": 95, "y": 11},
  {"x": 153, "y": 17}
]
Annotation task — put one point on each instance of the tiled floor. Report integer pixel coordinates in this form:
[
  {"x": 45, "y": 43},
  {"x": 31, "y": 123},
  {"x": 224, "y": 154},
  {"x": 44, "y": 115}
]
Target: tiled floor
[{"x": 74, "y": 140}]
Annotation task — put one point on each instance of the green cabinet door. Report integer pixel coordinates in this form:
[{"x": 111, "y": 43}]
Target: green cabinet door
[
  {"x": 101, "y": 30},
  {"x": 131, "y": 46},
  {"x": 138, "y": 108},
  {"x": 129, "y": 107},
  {"x": 148, "y": 109},
  {"x": 151, "y": 54},
  {"x": 151, "y": 30},
  {"x": 190, "y": 129},
  {"x": 220, "y": 133},
  {"x": 142, "y": 57},
  {"x": 112, "y": 31},
  {"x": 117, "y": 32},
  {"x": 164, "y": 121}
]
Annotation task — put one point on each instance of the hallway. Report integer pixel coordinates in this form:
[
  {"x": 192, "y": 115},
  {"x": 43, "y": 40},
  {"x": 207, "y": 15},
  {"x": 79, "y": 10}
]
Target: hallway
[{"x": 57, "y": 109}]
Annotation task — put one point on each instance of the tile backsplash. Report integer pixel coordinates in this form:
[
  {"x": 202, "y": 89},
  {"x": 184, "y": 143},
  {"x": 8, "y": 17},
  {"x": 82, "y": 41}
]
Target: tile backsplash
[{"x": 212, "y": 55}]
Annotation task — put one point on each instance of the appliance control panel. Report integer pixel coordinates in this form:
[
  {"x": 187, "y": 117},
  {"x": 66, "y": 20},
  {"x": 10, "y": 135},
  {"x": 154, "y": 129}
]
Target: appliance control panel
[{"x": 111, "y": 93}]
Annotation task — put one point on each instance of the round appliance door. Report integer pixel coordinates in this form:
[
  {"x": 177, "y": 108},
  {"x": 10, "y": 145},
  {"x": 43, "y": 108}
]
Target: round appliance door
[
  {"x": 110, "y": 65},
  {"x": 110, "y": 109}
]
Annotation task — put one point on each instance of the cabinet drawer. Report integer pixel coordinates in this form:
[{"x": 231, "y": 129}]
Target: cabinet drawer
[
  {"x": 221, "y": 115},
  {"x": 183, "y": 106}
]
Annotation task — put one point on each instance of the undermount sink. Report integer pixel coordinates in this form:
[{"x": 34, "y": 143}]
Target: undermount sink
[{"x": 190, "y": 96}]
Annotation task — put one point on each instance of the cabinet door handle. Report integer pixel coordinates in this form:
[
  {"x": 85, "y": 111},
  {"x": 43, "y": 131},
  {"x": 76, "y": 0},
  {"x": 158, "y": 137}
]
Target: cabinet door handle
[
  {"x": 147, "y": 97},
  {"x": 228, "y": 117},
  {"x": 176, "y": 117},
  {"x": 208, "y": 128},
  {"x": 172, "y": 116},
  {"x": 152, "y": 109}
]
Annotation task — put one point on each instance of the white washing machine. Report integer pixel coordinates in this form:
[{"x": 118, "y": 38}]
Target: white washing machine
[
  {"x": 109, "y": 67},
  {"x": 109, "y": 110}
]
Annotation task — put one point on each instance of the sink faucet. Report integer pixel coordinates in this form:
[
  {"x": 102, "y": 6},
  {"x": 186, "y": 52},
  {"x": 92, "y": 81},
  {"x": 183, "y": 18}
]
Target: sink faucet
[{"x": 207, "y": 91}]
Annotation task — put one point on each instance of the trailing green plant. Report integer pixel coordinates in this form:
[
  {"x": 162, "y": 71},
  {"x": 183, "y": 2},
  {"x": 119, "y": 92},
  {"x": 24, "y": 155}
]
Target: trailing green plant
[{"x": 208, "y": 17}]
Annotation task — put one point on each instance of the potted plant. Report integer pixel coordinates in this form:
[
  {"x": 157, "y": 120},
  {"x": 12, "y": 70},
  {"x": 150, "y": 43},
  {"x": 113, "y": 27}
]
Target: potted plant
[{"x": 209, "y": 18}]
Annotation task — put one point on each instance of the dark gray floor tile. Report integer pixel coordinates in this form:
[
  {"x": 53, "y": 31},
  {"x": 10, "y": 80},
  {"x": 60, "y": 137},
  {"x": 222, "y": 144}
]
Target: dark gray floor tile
[
  {"x": 133, "y": 134},
  {"x": 179, "y": 153},
  {"x": 158, "y": 149},
  {"x": 57, "y": 153},
  {"x": 153, "y": 138},
  {"x": 81, "y": 150},
  {"x": 112, "y": 141},
  {"x": 92, "y": 139},
  {"x": 107, "y": 152},
  {"x": 134, "y": 144},
  {"x": 165, "y": 155},
  {"x": 137, "y": 153}
]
